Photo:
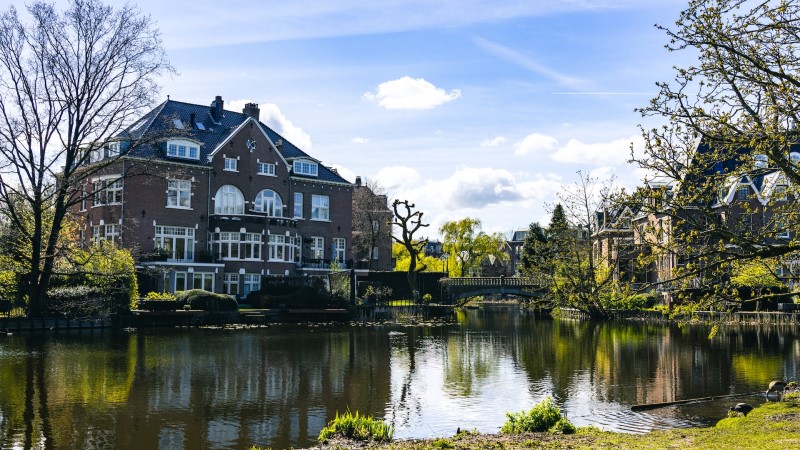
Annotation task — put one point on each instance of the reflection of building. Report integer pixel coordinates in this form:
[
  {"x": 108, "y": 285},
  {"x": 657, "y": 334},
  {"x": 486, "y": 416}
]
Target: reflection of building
[{"x": 216, "y": 200}]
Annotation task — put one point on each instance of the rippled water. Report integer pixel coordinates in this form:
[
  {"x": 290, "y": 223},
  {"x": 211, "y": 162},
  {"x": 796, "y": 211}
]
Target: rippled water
[{"x": 277, "y": 386}]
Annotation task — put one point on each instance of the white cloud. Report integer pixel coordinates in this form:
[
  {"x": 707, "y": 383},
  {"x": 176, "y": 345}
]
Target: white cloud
[
  {"x": 410, "y": 93},
  {"x": 616, "y": 152},
  {"x": 535, "y": 143},
  {"x": 274, "y": 118},
  {"x": 494, "y": 142},
  {"x": 397, "y": 177},
  {"x": 359, "y": 140}
]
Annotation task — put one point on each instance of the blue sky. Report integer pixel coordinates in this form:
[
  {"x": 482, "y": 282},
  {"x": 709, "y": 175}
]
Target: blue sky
[{"x": 468, "y": 108}]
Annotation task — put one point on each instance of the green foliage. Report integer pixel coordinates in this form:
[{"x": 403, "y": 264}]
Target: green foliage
[
  {"x": 425, "y": 263},
  {"x": 535, "y": 255},
  {"x": 208, "y": 301},
  {"x": 357, "y": 427},
  {"x": 442, "y": 443},
  {"x": 545, "y": 416},
  {"x": 103, "y": 265},
  {"x": 152, "y": 295},
  {"x": 88, "y": 301},
  {"x": 467, "y": 246},
  {"x": 290, "y": 297}
]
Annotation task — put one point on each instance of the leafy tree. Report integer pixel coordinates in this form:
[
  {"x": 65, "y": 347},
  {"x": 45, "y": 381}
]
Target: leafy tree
[
  {"x": 467, "y": 246},
  {"x": 740, "y": 101},
  {"x": 535, "y": 254},
  {"x": 403, "y": 260},
  {"x": 576, "y": 278},
  {"x": 69, "y": 81},
  {"x": 409, "y": 223}
]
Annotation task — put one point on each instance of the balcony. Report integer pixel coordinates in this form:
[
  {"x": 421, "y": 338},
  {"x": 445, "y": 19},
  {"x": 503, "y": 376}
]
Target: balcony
[
  {"x": 320, "y": 264},
  {"x": 189, "y": 257},
  {"x": 245, "y": 219}
]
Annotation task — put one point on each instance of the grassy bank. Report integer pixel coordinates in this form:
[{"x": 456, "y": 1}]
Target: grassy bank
[{"x": 771, "y": 426}]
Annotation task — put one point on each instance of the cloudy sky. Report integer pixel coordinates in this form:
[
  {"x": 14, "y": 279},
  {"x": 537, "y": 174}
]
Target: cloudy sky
[{"x": 467, "y": 108}]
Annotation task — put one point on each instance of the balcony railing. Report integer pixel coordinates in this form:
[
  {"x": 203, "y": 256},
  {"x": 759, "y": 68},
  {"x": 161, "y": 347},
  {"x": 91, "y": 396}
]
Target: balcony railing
[
  {"x": 220, "y": 219},
  {"x": 320, "y": 264}
]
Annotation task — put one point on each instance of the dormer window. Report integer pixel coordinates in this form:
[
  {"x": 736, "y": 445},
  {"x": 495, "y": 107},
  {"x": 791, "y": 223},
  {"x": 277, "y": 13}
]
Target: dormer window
[
  {"x": 794, "y": 157},
  {"x": 183, "y": 149},
  {"x": 761, "y": 161},
  {"x": 305, "y": 167}
]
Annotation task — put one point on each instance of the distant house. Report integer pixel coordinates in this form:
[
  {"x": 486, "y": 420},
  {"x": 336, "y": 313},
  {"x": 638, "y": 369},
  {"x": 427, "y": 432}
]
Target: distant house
[
  {"x": 434, "y": 249},
  {"x": 214, "y": 199},
  {"x": 372, "y": 229},
  {"x": 513, "y": 247}
]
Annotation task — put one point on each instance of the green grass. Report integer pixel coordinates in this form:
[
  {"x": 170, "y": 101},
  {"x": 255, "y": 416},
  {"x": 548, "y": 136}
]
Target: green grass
[
  {"x": 358, "y": 428},
  {"x": 770, "y": 426}
]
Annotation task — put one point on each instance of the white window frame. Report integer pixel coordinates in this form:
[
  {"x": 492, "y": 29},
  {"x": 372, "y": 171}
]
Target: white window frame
[
  {"x": 229, "y": 245},
  {"x": 298, "y": 205},
  {"x": 97, "y": 236},
  {"x": 252, "y": 246},
  {"x": 318, "y": 247},
  {"x": 111, "y": 232},
  {"x": 266, "y": 169},
  {"x": 252, "y": 283},
  {"x": 201, "y": 280},
  {"x": 305, "y": 167},
  {"x": 230, "y": 283},
  {"x": 229, "y": 200},
  {"x": 107, "y": 191},
  {"x": 179, "y": 194},
  {"x": 375, "y": 252},
  {"x": 168, "y": 239},
  {"x": 742, "y": 189},
  {"x": 231, "y": 164},
  {"x": 183, "y": 149},
  {"x": 339, "y": 250},
  {"x": 269, "y": 202},
  {"x": 320, "y": 207}
]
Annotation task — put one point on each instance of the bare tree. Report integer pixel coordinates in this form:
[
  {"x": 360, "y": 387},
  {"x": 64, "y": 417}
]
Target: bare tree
[
  {"x": 371, "y": 221},
  {"x": 69, "y": 82},
  {"x": 410, "y": 222}
]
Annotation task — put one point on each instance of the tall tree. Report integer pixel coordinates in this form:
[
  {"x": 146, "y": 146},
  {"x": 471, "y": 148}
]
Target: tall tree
[
  {"x": 741, "y": 102},
  {"x": 467, "y": 246},
  {"x": 409, "y": 222},
  {"x": 69, "y": 81},
  {"x": 371, "y": 221},
  {"x": 535, "y": 254}
]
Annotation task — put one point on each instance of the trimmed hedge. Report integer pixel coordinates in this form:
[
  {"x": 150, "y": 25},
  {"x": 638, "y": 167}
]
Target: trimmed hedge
[
  {"x": 88, "y": 301},
  {"x": 290, "y": 297},
  {"x": 159, "y": 305},
  {"x": 207, "y": 301}
]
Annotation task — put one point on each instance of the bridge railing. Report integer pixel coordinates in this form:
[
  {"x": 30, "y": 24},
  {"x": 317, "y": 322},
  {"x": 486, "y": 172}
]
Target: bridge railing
[{"x": 493, "y": 281}]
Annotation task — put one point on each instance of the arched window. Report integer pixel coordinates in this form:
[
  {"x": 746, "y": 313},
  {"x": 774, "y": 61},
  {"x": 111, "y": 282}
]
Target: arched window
[
  {"x": 268, "y": 201},
  {"x": 229, "y": 200},
  {"x": 795, "y": 157}
]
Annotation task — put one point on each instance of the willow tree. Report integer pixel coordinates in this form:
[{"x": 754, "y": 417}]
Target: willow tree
[
  {"x": 728, "y": 126},
  {"x": 70, "y": 81},
  {"x": 467, "y": 246}
]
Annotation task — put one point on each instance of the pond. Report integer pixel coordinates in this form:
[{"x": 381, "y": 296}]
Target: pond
[{"x": 277, "y": 386}]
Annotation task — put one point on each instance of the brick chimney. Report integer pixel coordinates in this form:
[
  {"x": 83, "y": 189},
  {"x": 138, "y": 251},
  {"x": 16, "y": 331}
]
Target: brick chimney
[
  {"x": 358, "y": 181},
  {"x": 217, "y": 108},
  {"x": 251, "y": 109}
]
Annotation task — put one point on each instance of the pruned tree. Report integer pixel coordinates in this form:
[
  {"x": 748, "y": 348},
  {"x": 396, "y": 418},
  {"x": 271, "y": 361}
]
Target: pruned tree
[
  {"x": 729, "y": 123},
  {"x": 467, "y": 246},
  {"x": 70, "y": 81},
  {"x": 409, "y": 222},
  {"x": 371, "y": 220}
]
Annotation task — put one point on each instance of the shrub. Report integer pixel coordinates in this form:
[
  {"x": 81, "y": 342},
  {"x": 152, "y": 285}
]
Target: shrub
[
  {"x": 152, "y": 295},
  {"x": 89, "y": 301},
  {"x": 293, "y": 297},
  {"x": 545, "y": 416},
  {"x": 208, "y": 301},
  {"x": 357, "y": 427}
]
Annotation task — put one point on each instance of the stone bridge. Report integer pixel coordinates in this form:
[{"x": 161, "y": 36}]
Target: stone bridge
[{"x": 455, "y": 290}]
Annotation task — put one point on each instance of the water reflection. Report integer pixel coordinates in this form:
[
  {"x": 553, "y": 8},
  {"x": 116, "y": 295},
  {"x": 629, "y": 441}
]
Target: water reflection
[{"x": 277, "y": 386}]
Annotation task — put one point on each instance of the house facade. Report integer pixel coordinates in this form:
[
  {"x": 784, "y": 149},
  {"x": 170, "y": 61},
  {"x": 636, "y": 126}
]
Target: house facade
[{"x": 214, "y": 199}]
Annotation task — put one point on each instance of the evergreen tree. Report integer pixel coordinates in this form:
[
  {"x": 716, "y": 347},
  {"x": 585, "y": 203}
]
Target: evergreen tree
[{"x": 535, "y": 254}]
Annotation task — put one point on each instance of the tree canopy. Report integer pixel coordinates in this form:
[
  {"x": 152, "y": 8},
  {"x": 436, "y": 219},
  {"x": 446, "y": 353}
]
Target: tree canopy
[
  {"x": 467, "y": 246},
  {"x": 70, "y": 81},
  {"x": 728, "y": 121}
]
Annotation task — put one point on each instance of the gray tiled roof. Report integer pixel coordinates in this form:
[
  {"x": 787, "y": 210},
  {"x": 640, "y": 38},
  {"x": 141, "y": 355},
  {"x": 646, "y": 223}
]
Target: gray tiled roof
[{"x": 161, "y": 121}]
